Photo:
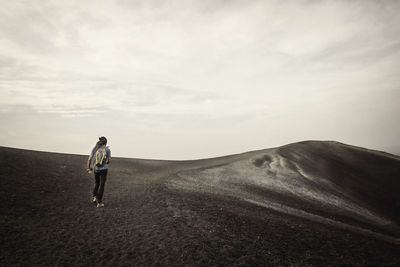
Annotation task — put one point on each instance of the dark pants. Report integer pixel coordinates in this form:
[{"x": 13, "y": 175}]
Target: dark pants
[{"x": 100, "y": 178}]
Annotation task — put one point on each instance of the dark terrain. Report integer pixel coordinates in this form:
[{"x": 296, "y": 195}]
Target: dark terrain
[{"x": 308, "y": 203}]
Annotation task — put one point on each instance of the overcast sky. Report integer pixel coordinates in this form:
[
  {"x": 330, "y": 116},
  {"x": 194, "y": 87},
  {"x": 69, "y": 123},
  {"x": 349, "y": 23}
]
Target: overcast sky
[{"x": 197, "y": 79}]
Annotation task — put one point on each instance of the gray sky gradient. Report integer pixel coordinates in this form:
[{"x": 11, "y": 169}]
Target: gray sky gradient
[{"x": 196, "y": 79}]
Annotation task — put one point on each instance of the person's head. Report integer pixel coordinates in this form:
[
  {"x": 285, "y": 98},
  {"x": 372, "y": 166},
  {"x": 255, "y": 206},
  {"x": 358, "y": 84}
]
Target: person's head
[{"x": 102, "y": 141}]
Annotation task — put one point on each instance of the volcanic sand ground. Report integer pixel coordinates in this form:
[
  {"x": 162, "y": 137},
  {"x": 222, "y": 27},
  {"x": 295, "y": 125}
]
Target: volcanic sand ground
[{"x": 309, "y": 203}]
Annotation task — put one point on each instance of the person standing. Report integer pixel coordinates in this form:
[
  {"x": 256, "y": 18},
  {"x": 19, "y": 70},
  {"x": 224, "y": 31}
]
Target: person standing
[{"x": 101, "y": 157}]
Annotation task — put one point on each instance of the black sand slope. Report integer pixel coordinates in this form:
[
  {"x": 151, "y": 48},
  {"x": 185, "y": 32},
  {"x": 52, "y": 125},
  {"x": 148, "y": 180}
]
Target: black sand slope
[{"x": 308, "y": 203}]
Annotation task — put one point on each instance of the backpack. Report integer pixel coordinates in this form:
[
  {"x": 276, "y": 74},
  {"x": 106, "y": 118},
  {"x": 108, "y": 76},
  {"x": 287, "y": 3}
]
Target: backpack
[{"x": 101, "y": 156}]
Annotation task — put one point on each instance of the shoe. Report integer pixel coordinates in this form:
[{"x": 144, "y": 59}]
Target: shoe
[
  {"x": 94, "y": 200},
  {"x": 99, "y": 205}
]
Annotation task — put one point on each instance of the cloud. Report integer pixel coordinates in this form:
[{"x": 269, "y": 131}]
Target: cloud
[{"x": 202, "y": 63}]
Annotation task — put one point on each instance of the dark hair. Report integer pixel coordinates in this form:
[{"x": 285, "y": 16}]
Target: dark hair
[{"x": 103, "y": 140}]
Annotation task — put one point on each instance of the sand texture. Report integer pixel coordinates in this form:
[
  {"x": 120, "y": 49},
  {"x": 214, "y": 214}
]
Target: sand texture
[{"x": 307, "y": 203}]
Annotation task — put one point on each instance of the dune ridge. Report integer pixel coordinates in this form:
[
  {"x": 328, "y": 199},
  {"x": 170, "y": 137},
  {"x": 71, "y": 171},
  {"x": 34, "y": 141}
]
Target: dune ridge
[{"x": 305, "y": 173}]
